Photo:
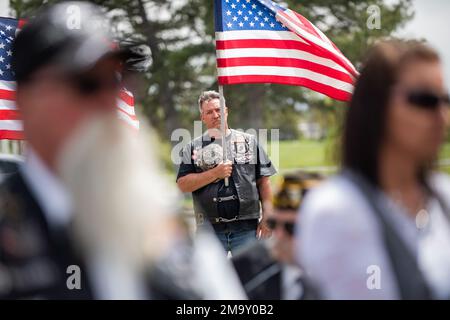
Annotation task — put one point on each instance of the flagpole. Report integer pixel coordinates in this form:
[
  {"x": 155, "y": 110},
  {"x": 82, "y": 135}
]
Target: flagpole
[{"x": 222, "y": 128}]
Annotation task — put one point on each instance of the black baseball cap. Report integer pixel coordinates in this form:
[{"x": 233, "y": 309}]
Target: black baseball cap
[{"x": 72, "y": 35}]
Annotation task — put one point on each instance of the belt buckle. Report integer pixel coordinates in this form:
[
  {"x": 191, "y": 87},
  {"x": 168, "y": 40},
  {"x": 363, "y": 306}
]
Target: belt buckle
[
  {"x": 220, "y": 219},
  {"x": 223, "y": 199}
]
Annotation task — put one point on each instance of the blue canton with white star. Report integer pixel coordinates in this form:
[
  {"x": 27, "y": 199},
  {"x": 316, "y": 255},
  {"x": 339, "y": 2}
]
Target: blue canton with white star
[
  {"x": 235, "y": 15},
  {"x": 8, "y": 28}
]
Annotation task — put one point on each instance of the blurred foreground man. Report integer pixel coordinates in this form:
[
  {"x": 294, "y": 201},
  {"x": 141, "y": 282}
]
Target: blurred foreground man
[
  {"x": 67, "y": 79},
  {"x": 234, "y": 210},
  {"x": 83, "y": 219},
  {"x": 267, "y": 269}
]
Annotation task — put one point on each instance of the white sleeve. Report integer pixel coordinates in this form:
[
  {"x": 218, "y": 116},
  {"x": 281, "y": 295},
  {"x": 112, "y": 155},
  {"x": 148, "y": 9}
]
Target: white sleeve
[
  {"x": 340, "y": 246},
  {"x": 209, "y": 261}
]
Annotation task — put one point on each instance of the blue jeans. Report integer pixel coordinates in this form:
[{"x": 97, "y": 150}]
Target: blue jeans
[{"x": 234, "y": 235}]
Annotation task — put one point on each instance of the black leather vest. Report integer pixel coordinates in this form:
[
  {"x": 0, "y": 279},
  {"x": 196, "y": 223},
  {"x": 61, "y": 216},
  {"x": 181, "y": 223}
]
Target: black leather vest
[{"x": 242, "y": 150}]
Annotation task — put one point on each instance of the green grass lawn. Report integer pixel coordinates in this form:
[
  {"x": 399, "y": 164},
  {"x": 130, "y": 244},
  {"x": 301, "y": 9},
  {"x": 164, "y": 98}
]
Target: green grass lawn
[
  {"x": 302, "y": 153},
  {"x": 445, "y": 152},
  {"x": 308, "y": 155},
  {"x": 445, "y": 155}
]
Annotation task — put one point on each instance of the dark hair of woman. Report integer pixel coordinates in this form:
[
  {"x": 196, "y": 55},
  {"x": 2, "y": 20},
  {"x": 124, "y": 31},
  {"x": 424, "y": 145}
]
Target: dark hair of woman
[{"x": 365, "y": 121}]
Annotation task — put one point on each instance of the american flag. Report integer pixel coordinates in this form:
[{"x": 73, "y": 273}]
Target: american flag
[
  {"x": 10, "y": 123},
  {"x": 258, "y": 41}
]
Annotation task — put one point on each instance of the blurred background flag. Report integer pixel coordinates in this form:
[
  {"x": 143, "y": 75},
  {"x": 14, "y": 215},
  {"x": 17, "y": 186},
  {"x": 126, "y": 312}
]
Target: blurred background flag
[
  {"x": 125, "y": 111},
  {"x": 10, "y": 123},
  {"x": 258, "y": 41}
]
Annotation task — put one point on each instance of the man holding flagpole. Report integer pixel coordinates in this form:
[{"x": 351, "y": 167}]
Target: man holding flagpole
[
  {"x": 234, "y": 210},
  {"x": 257, "y": 41}
]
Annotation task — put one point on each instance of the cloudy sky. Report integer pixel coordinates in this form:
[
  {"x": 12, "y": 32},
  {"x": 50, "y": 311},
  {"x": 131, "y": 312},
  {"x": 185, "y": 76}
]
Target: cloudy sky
[
  {"x": 431, "y": 22},
  {"x": 4, "y": 7}
]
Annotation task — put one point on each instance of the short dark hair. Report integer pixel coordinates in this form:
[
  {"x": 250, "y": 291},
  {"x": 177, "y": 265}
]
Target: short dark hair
[
  {"x": 365, "y": 121},
  {"x": 206, "y": 96}
]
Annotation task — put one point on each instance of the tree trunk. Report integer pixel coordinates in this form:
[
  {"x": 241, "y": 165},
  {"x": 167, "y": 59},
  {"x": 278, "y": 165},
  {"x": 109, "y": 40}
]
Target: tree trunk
[
  {"x": 255, "y": 107},
  {"x": 166, "y": 95}
]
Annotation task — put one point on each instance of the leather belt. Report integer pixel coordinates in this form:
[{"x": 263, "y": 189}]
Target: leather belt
[
  {"x": 215, "y": 220},
  {"x": 222, "y": 199},
  {"x": 220, "y": 219},
  {"x": 200, "y": 219}
]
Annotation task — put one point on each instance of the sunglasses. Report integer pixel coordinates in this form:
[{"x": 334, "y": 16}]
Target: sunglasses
[
  {"x": 90, "y": 84},
  {"x": 287, "y": 226},
  {"x": 427, "y": 100},
  {"x": 86, "y": 84}
]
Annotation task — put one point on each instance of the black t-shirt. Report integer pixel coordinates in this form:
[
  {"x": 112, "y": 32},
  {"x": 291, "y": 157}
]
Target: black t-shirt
[
  {"x": 227, "y": 209},
  {"x": 263, "y": 168}
]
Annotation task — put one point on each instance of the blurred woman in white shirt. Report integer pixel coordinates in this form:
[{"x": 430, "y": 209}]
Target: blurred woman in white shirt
[{"x": 381, "y": 228}]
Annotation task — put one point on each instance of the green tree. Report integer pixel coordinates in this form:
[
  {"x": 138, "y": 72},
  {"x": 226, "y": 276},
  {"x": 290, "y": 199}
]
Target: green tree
[{"x": 181, "y": 37}]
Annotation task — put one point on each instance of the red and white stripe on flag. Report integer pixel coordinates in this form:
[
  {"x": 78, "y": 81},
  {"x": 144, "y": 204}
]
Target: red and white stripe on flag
[
  {"x": 10, "y": 122},
  {"x": 11, "y": 125},
  {"x": 265, "y": 43},
  {"x": 125, "y": 108}
]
